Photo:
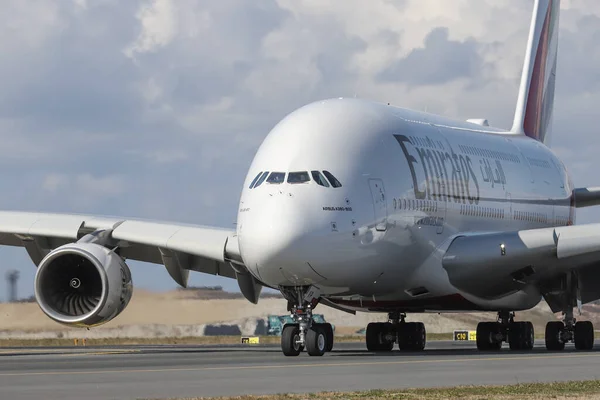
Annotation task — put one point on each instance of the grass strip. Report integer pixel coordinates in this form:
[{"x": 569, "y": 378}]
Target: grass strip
[{"x": 555, "y": 390}]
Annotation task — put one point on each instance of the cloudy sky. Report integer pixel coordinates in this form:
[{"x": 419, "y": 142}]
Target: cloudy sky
[{"x": 154, "y": 108}]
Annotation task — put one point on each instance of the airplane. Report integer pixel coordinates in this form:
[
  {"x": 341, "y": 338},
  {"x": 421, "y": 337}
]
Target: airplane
[{"x": 363, "y": 206}]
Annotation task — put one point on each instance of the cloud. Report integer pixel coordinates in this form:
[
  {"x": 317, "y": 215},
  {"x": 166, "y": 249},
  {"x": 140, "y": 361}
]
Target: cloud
[
  {"x": 154, "y": 108},
  {"x": 157, "y": 19},
  {"x": 440, "y": 61}
]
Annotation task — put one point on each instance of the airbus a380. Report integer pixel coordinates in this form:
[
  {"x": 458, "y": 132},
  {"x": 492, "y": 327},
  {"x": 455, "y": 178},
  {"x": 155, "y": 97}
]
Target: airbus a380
[{"x": 363, "y": 206}]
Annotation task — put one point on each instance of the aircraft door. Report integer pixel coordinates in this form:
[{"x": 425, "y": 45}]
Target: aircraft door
[
  {"x": 441, "y": 212},
  {"x": 508, "y": 210},
  {"x": 379, "y": 203}
]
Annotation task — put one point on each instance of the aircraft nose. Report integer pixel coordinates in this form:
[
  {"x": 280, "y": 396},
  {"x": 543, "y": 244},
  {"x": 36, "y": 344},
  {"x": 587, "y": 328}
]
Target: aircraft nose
[{"x": 276, "y": 243}]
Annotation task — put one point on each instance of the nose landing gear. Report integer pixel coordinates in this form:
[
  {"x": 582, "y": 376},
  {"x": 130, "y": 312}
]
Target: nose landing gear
[{"x": 305, "y": 333}]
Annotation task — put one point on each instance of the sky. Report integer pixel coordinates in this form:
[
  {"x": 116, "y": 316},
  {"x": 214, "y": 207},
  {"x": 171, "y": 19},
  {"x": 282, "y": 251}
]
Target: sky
[{"x": 154, "y": 108}]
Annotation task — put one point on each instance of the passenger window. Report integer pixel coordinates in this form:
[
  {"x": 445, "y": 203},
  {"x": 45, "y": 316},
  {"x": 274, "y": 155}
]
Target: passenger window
[
  {"x": 261, "y": 179},
  {"x": 255, "y": 179},
  {"x": 276, "y": 177},
  {"x": 319, "y": 178},
  {"x": 334, "y": 182},
  {"x": 298, "y": 177}
]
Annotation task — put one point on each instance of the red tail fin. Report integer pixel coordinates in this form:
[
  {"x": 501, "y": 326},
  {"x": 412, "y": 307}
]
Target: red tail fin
[{"x": 533, "y": 115}]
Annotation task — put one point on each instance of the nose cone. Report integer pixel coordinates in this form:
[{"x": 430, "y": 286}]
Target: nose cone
[{"x": 277, "y": 242}]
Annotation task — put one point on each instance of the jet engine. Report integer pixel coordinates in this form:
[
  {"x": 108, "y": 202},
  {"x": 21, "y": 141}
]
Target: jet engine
[{"x": 83, "y": 284}]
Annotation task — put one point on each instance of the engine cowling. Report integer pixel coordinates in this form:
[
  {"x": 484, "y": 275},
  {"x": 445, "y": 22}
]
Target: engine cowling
[{"x": 83, "y": 284}]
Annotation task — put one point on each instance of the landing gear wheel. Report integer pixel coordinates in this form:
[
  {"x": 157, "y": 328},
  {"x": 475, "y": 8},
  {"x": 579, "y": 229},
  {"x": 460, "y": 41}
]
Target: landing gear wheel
[
  {"x": 329, "y": 336},
  {"x": 376, "y": 336},
  {"x": 552, "y": 336},
  {"x": 388, "y": 336},
  {"x": 412, "y": 336},
  {"x": 584, "y": 335},
  {"x": 521, "y": 336},
  {"x": 289, "y": 340},
  {"x": 328, "y": 329},
  {"x": 372, "y": 336},
  {"x": 487, "y": 336},
  {"x": 316, "y": 341}
]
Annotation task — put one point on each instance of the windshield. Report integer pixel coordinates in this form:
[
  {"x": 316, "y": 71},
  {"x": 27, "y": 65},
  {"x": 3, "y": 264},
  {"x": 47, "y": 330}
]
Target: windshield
[
  {"x": 298, "y": 177},
  {"x": 261, "y": 179},
  {"x": 276, "y": 177},
  {"x": 319, "y": 178}
]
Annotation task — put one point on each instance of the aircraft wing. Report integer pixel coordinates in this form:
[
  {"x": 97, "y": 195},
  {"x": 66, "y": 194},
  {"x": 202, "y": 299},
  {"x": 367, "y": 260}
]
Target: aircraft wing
[
  {"x": 586, "y": 197},
  {"x": 180, "y": 248},
  {"x": 491, "y": 265}
]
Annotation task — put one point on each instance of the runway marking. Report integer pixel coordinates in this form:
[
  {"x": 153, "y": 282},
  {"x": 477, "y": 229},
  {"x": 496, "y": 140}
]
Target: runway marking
[
  {"x": 61, "y": 353},
  {"x": 100, "y": 353},
  {"x": 263, "y": 367}
]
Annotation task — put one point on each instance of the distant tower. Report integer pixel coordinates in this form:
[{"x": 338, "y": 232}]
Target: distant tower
[{"x": 12, "y": 277}]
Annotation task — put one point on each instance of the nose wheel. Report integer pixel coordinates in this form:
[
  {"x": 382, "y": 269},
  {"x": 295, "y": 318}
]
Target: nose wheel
[
  {"x": 305, "y": 333},
  {"x": 290, "y": 340}
]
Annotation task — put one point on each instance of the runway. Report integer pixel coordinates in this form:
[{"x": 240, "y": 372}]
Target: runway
[{"x": 130, "y": 372}]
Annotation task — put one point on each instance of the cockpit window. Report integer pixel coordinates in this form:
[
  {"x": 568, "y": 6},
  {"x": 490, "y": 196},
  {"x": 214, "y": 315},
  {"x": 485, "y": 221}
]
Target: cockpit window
[
  {"x": 319, "y": 178},
  {"x": 276, "y": 177},
  {"x": 334, "y": 182},
  {"x": 261, "y": 179},
  {"x": 255, "y": 179},
  {"x": 298, "y": 177}
]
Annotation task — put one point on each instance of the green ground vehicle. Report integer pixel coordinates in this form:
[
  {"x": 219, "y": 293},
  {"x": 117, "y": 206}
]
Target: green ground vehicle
[{"x": 275, "y": 323}]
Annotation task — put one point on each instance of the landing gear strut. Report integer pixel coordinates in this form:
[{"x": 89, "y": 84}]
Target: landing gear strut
[
  {"x": 381, "y": 336},
  {"x": 304, "y": 333},
  {"x": 519, "y": 335},
  {"x": 569, "y": 330}
]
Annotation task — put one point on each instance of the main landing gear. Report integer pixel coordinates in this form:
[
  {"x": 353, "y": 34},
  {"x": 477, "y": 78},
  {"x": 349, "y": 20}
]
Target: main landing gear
[
  {"x": 305, "y": 333},
  {"x": 519, "y": 335},
  {"x": 569, "y": 330},
  {"x": 410, "y": 336}
]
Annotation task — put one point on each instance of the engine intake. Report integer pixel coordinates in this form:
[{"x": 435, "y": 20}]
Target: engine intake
[{"x": 83, "y": 284}]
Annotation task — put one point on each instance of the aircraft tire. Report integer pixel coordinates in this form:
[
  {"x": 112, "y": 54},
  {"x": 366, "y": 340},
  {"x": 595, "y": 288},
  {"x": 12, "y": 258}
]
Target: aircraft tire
[
  {"x": 584, "y": 335},
  {"x": 552, "y": 336},
  {"x": 375, "y": 335},
  {"x": 486, "y": 332},
  {"x": 372, "y": 336},
  {"x": 328, "y": 333},
  {"x": 316, "y": 341},
  {"x": 289, "y": 338},
  {"x": 521, "y": 336},
  {"x": 412, "y": 336},
  {"x": 388, "y": 329}
]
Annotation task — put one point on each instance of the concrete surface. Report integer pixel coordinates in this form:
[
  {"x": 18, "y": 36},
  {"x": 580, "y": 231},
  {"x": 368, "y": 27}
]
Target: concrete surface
[{"x": 129, "y": 372}]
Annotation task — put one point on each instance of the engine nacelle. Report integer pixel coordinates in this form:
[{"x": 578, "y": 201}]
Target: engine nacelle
[{"x": 83, "y": 284}]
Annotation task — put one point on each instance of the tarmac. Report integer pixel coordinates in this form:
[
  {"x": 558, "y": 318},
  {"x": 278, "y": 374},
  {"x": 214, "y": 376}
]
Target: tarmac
[{"x": 129, "y": 372}]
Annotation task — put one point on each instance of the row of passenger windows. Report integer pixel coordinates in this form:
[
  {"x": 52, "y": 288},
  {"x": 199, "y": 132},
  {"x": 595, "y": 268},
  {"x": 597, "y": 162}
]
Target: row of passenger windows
[
  {"x": 485, "y": 212},
  {"x": 324, "y": 178},
  {"x": 537, "y": 162},
  {"x": 500, "y": 155},
  {"x": 531, "y": 216},
  {"x": 475, "y": 211},
  {"x": 420, "y": 205}
]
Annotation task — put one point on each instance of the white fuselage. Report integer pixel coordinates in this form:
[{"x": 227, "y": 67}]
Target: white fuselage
[{"x": 410, "y": 183}]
